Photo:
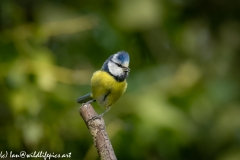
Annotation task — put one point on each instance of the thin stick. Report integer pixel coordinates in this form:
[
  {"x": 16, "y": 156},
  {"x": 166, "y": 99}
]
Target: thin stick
[{"x": 97, "y": 129}]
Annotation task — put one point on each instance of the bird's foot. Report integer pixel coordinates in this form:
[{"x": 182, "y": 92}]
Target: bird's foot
[
  {"x": 95, "y": 117},
  {"x": 88, "y": 102}
]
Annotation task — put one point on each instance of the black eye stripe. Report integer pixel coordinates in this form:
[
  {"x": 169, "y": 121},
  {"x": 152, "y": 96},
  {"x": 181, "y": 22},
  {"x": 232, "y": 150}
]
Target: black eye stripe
[{"x": 119, "y": 65}]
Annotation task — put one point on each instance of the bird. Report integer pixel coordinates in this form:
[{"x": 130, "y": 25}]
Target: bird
[{"x": 109, "y": 83}]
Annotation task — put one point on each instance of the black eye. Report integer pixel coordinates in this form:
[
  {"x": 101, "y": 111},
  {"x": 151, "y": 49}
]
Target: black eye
[{"x": 119, "y": 65}]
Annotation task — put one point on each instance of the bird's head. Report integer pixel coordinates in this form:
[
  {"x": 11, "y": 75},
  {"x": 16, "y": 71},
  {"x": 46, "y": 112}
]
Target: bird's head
[{"x": 117, "y": 65}]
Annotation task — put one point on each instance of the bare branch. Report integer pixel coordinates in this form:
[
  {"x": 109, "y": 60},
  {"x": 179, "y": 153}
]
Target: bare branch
[{"x": 97, "y": 129}]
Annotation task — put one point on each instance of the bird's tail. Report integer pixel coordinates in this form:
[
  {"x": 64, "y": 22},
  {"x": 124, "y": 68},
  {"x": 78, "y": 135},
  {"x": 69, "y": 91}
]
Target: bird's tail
[{"x": 85, "y": 98}]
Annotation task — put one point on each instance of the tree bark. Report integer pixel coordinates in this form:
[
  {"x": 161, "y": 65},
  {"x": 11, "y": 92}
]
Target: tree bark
[{"x": 97, "y": 129}]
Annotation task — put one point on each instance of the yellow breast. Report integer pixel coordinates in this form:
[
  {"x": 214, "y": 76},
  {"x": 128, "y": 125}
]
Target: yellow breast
[{"x": 105, "y": 89}]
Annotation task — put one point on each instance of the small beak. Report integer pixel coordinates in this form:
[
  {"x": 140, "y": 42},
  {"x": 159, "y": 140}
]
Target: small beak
[{"x": 126, "y": 69}]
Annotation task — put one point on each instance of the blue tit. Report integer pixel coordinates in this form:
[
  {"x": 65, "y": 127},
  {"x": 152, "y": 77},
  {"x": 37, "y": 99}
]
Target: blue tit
[{"x": 109, "y": 83}]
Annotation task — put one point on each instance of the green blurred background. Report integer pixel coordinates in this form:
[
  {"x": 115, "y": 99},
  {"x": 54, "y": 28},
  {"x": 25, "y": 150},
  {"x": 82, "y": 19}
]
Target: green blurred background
[{"x": 183, "y": 99}]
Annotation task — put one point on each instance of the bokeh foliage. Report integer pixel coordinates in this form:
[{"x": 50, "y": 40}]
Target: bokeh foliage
[{"x": 183, "y": 99}]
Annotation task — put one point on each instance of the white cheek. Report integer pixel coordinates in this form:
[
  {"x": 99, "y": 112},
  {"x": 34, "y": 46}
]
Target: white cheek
[{"x": 114, "y": 69}]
